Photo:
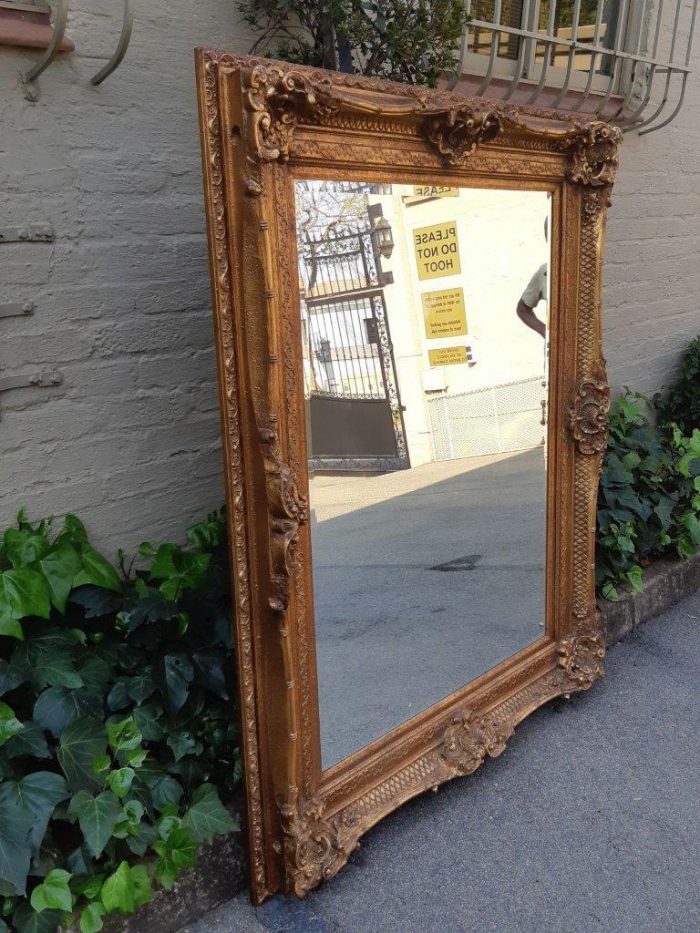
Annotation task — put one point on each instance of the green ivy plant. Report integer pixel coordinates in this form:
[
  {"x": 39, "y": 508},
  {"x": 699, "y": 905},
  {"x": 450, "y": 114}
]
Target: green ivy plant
[
  {"x": 117, "y": 727},
  {"x": 649, "y": 496},
  {"x": 680, "y": 404}
]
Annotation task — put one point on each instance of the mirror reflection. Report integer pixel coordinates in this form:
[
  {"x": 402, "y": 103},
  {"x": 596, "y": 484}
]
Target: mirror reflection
[{"x": 424, "y": 314}]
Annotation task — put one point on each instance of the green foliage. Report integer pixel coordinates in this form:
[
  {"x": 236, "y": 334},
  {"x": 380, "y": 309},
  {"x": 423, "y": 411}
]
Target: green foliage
[
  {"x": 414, "y": 41},
  {"x": 680, "y": 404},
  {"x": 649, "y": 497},
  {"x": 117, "y": 726}
]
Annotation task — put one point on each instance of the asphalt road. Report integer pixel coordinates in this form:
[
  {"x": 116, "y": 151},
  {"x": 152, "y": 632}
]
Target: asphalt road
[{"x": 588, "y": 822}]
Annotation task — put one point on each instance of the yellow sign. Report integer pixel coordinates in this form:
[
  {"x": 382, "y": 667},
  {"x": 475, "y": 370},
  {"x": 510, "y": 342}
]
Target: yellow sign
[
  {"x": 447, "y": 356},
  {"x": 444, "y": 313},
  {"x": 435, "y": 191},
  {"x": 437, "y": 250}
]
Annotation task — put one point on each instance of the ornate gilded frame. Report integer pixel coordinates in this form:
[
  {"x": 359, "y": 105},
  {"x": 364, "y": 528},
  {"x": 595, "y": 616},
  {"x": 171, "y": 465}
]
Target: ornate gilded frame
[{"x": 263, "y": 124}]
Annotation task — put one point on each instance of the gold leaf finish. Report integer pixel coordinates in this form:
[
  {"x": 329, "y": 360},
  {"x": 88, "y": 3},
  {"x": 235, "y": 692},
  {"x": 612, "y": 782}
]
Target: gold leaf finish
[{"x": 263, "y": 124}]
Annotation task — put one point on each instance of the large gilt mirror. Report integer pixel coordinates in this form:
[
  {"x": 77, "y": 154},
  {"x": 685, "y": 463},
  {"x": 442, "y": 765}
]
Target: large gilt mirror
[{"x": 414, "y": 405}]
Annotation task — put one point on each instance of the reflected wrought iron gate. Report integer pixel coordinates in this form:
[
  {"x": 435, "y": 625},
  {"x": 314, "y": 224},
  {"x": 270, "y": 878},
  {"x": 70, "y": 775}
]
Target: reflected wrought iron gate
[{"x": 354, "y": 409}]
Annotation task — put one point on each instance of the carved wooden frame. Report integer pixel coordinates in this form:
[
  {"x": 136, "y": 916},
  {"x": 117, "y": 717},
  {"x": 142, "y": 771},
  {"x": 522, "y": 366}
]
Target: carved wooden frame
[{"x": 263, "y": 124}]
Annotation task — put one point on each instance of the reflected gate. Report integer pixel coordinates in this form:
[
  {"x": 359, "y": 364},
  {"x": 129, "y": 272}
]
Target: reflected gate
[{"x": 351, "y": 390}]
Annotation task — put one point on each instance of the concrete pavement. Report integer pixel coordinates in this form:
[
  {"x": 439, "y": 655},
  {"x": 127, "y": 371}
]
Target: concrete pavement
[{"x": 588, "y": 822}]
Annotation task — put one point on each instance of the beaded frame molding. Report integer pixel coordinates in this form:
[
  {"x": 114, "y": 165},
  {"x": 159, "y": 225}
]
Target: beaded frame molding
[{"x": 263, "y": 124}]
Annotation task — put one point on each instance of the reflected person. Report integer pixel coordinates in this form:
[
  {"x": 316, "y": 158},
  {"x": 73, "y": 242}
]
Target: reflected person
[{"x": 535, "y": 292}]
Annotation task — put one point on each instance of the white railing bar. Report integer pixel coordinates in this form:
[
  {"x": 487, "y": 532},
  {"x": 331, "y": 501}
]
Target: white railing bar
[
  {"x": 575, "y": 17},
  {"x": 652, "y": 71},
  {"x": 495, "y": 40},
  {"x": 664, "y": 99},
  {"x": 685, "y": 76},
  {"x": 580, "y": 46},
  {"x": 52, "y": 49},
  {"x": 548, "y": 43},
  {"x": 532, "y": 39},
  {"x": 619, "y": 38},
  {"x": 630, "y": 90},
  {"x": 122, "y": 45},
  {"x": 463, "y": 45},
  {"x": 594, "y": 58},
  {"x": 524, "y": 47}
]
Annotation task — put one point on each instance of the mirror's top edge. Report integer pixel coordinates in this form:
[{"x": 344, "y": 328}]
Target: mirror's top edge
[{"x": 412, "y": 102}]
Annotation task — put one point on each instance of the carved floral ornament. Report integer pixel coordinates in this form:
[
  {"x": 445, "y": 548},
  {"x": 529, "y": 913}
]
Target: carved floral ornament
[
  {"x": 588, "y": 415},
  {"x": 279, "y": 98},
  {"x": 581, "y": 657}
]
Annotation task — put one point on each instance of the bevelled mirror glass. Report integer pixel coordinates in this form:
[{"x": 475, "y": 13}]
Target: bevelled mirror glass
[
  {"x": 423, "y": 323},
  {"x": 414, "y": 406}
]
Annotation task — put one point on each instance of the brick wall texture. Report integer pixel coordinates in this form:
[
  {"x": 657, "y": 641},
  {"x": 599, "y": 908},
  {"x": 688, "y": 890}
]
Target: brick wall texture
[{"x": 130, "y": 441}]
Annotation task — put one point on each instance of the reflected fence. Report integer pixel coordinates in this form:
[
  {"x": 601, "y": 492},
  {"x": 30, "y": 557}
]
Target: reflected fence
[{"x": 493, "y": 420}]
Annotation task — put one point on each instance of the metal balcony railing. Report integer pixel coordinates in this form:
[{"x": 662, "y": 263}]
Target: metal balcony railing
[{"x": 627, "y": 61}]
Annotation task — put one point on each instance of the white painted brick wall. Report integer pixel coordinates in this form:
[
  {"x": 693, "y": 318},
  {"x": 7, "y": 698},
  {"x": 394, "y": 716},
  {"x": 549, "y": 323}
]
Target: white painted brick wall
[{"x": 131, "y": 440}]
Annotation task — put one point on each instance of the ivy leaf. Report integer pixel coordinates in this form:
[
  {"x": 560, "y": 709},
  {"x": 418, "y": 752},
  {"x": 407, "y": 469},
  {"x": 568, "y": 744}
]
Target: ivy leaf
[
  {"x": 57, "y": 707},
  {"x": 97, "y": 817},
  {"x": 182, "y": 743},
  {"x": 209, "y": 668},
  {"x": 147, "y": 719},
  {"x": 96, "y": 672},
  {"x": 118, "y": 697},
  {"x": 207, "y": 816},
  {"x": 30, "y": 741},
  {"x": 27, "y": 920},
  {"x": 120, "y": 781},
  {"x": 124, "y": 735},
  {"x": 47, "y": 662},
  {"x": 80, "y": 743},
  {"x": 118, "y": 892},
  {"x": 60, "y": 567},
  {"x": 95, "y": 601},
  {"x": 15, "y": 849},
  {"x": 23, "y": 548},
  {"x": 91, "y": 918},
  {"x": 176, "y": 674},
  {"x": 97, "y": 570},
  {"x": 143, "y": 892},
  {"x": 10, "y": 677},
  {"x": 177, "y": 853},
  {"x": 23, "y": 593},
  {"x": 25, "y": 808},
  {"x": 53, "y": 893},
  {"x": 165, "y": 792},
  {"x": 9, "y": 724},
  {"x": 9, "y": 625},
  {"x": 141, "y": 686},
  {"x": 73, "y": 530}
]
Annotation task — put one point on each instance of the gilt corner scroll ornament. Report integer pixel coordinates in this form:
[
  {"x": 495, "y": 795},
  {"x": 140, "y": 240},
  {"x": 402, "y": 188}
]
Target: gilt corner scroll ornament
[
  {"x": 581, "y": 656},
  {"x": 316, "y": 846},
  {"x": 593, "y": 156},
  {"x": 278, "y": 98}
]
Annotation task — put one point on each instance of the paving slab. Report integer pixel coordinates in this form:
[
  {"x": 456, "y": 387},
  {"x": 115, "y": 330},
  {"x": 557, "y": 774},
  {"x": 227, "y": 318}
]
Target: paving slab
[{"x": 588, "y": 822}]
